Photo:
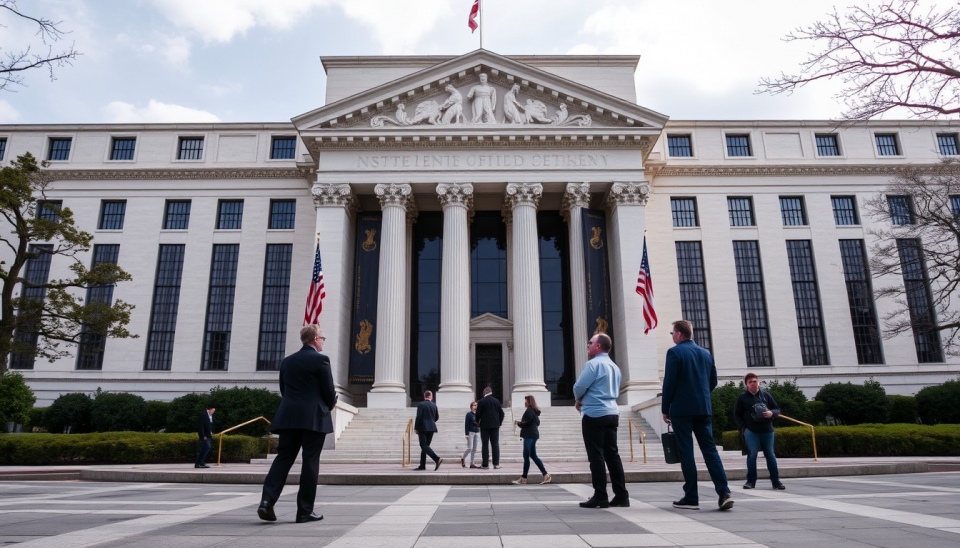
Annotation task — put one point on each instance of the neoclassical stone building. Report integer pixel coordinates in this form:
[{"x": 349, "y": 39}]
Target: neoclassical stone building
[{"x": 479, "y": 217}]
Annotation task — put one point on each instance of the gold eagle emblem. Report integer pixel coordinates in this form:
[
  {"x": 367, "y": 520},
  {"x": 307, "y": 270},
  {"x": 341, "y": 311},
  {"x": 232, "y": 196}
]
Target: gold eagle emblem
[
  {"x": 595, "y": 241},
  {"x": 369, "y": 244},
  {"x": 602, "y": 325},
  {"x": 363, "y": 338}
]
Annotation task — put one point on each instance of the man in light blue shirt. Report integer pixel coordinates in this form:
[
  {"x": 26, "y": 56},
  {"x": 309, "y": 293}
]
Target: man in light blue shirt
[{"x": 596, "y": 391}]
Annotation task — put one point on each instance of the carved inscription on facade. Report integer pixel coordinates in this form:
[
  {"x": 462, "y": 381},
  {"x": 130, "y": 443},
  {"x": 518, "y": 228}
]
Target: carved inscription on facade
[{"x": 481, "y": 161}]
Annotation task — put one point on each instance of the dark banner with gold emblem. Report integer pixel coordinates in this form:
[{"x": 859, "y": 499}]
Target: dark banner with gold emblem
[
  {"x": 363, "y": 335},
  {"x": 597, "y": 269}
]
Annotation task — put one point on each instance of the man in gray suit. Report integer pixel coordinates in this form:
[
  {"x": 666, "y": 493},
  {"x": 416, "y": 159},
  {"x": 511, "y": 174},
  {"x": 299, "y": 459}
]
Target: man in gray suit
[
  {"x": 425, "y": 427},
  {"x": 303, "y": 420}
]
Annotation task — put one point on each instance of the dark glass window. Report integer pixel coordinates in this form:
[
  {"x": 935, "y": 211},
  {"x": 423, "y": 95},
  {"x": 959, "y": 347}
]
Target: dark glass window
[
  {"x": 283, "y": 213},
  {"x": 741, "y": 211},
  {"x": 425, "y": 301},
  {"x": 792, "y": 211},
  {"x": 166, "y": 304},
  {"x": 827, "y": 145},
  {"x": 955, "y": 207},
  {"x": 693, "y": 291},
  {"x": 190, "y": 148},
  {"x": 863, "y": 311},
  {"x": 488, "y": 264},
  {"x": 177, "y": 215},
  {"x": 806, "y": 299},
  {"x": 283, "y": 148},
  {"x": 273, "y": 308},
  {"x": 49, "y": 210},
  {"x": 90, "y": 349},
  {"x": 948, "y": 144},
  {"x": 59, "y": 148},
  {"x": 887, "y": 144},
  {"x": 3, "y": 147},
  {"x": 36, "y": 274},
  {"x": 844, "y": 210},
  {"x": 738, "y": 145},
  {"x": 684, "y": 212},
  {"x": 112, "y": 214},
  {"x": 919, "y": 302},
  {"x": 901, "y": 210},
  {"x": 229, "y": 214},
  {"x": 558, "y": 368},
  {"x": 680, "y": 145},
  {"x": 753, "y": 306},
  {"x": 123, "y": 148},
  {"x": 219, "y": 324}
]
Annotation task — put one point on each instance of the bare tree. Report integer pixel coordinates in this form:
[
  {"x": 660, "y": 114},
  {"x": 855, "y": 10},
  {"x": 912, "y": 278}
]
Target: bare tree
[
  {"x": 897, "y": 54},
  {"x": 14, "y": 63}
]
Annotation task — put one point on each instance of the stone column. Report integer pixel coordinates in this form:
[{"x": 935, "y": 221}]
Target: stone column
[
  {"x": 636, "y": 352},
  {"x": 577, "y": 197},
  {"x": 455, "y": 388},
  {"x": 389, "y": 390},
  {"x": 522, "y": 199}
]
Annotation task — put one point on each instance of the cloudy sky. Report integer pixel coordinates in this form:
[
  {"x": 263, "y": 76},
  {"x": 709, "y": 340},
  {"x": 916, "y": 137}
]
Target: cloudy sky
[{"x": 259, "y": 60}]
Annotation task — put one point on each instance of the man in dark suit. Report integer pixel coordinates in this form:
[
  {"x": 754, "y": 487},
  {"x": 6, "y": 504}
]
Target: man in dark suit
[
  {"x": 303, "y": 420},
  {"x": 205, "y": 433},
  {"x": 425, "y": 427},
  {"x": 688, "y": 378},
  {"x": 489, "y": 417}
]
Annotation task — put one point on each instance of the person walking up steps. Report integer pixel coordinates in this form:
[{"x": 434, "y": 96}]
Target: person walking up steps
[{"x": 530, "y": 433}]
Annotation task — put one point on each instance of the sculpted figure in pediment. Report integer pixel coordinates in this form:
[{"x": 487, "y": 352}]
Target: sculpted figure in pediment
[
  {"x": 537, "y": 112},
  {"x": 512, "y": 109},
  {"x": 453, "y": 107},
  {"x": 563, "y": 118},
  {"x": 484, "y": 98}
]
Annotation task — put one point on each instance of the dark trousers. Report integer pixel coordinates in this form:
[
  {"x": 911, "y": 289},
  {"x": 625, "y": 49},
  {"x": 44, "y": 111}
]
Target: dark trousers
[
  {"x": 290, "y": 443},
  {"x": 530, "y": 453},
  {"x": 425, "y": 439},
  {"x": 600, "y": 441},
  {"x": 701, "y": 427},
  {"x": 490, "y": 437},
  {"x": 203, "y": 452}
]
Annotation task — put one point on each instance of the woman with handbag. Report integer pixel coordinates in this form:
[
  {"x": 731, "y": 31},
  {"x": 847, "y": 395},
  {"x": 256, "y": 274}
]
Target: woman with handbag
[
  {"x": 754, "y": 414},
  {"x": 530, "y": 433}
]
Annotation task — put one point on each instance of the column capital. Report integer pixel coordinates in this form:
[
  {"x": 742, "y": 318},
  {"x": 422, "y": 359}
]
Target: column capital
[
  {"x": 452, "y": 194},
  {"x": 523, "y": 194},
  {"x": 576, "y": 195},
  {"x": 393, "y": 194},
  {"x": 333, "y": 195},
  {"x": 412, "y": 213},
  {"x": 634, "y": 193}
]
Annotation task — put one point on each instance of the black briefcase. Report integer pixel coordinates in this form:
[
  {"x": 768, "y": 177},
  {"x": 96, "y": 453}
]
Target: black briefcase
[{"x": 669, "y": 440}]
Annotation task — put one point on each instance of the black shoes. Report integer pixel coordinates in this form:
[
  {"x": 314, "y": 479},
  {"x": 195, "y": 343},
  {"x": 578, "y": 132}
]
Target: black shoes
[
  {"x": 618, "y": 502},
  {"x": 726, "y": 502},
  {"x": 201, "y": 466},
  {"x": 463, "y": 462},
  {"x": 594, "y": 502},
  {"x": 437, "y": 467},
  {"x": 779, "y": 486},
  {"x": 265, "y": 511},
  {"x": 750, "y": 485},
  {"x": 312, "y": 517},
  {"x": 419, "y": 468},
  {"x": 684, "y": 504}
]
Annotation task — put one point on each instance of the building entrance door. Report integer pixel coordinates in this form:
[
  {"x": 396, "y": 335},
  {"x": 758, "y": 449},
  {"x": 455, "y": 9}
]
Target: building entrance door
[{"x": 489, "y": 363}]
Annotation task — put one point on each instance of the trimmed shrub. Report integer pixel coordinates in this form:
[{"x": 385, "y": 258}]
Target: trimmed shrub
[
  {"x": 939, "y": 404},
  {"x": 865, "y": 440},
  {"x": 118, "y": 412},
  {"x": 723, "y": 399},
  {"x": 156, "y": 418},
  {"x": 818, "y": 412},
  {"x": 238, "y": 405},
  {"x": 71, "y": 410},
  {"x": 792, "y": 401},
  {"x": 16, "y": 399},
  {"x": 852, "y": 404},
  {"x": 36, "y": 418},
  {"x": 183, "y": 412},
  {"x": 903, "y": 409}
]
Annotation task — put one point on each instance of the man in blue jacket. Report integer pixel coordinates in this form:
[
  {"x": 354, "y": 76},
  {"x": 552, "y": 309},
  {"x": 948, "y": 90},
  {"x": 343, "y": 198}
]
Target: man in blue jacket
[{"x": 688, "y": 378}]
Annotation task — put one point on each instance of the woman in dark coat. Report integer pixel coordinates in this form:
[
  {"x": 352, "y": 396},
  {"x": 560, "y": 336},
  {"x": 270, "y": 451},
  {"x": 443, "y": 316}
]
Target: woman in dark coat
[{"x": 530, "y": 433}]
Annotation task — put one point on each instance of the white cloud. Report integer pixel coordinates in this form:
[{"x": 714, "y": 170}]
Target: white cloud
[
  {"x": 8, "y": 114},
  {"x": 119, "y": 112},
  {"x": 397, "y": 25}
]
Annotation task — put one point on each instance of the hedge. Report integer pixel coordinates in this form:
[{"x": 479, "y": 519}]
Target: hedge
[{"x": 865, "y": 440}]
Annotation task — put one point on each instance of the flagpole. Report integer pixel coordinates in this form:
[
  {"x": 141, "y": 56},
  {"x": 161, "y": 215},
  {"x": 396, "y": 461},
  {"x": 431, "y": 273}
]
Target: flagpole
[{"x": 480, "y": 5}]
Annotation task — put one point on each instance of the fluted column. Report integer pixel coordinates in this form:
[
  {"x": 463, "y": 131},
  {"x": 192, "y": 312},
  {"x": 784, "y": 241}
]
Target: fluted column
[
  {"x": 577, "y": 197},
  {"x": 455, "y": 388},
  {"x": 389, "y": 390},
  {"x": 522, "y": 199}
]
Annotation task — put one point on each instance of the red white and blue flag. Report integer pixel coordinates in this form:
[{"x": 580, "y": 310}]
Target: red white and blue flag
[
  {"x": 645, "y": 290},
  {"x": 472, "y": 20},
  {"x": 311, "y": 314}
]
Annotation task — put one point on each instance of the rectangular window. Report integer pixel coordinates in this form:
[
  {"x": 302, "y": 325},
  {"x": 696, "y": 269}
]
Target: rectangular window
[
  {"x": 693, "y": 291},
  {"x": 36, "y": 274},
  {"x": 901, "y": 210},
  {"x": 59, "y": 148},
  {"x": 190, "y": 148},
  {"x": 90, "y": 349},
  {"x": 863, "y": 311},
  {"x": 738, "y": 145},
  {"x": 166, "y": 304},
  {"x": 922, "y": 314},
  {"x": 680, "y": 146},
  {"x": 273, "y": 308},
  {"x": 887, "y": 144},
  {"x": 229, "y": 214},
  {"x": 283, "y": 213},
  {"x": 827, "y": 145},
  {"x": 219, "y": 324},
  {"x": 111, "y": 215},
  {"x": 176, "y": 215},
  {"x": 3, "y": 147},
  {"x": 123, "y": 148},
  {"x": 753, "y": 305},
  {"x": 844, "y": 210},
  {"x": 684, "y": 212},
  {"x": 49, "y": 210},
  {"x": 955, "y": 207},
  {"x": 806, "y": 299},
  {"x": 947, "y": 143},
  {"x": 741, "y": 211},
  {"x": 792, "y": 211},
  {"x": 283, "y": 148}
]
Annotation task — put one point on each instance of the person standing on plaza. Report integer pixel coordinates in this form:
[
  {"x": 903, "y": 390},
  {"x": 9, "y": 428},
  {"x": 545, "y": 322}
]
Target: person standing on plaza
[
  {"x": 596, "y": 392},
  {"x": 688, "y": 378},
  {"x": 205, "y": 433},
  {"x": 472, "y": 434},
  {"x": 425, "y": 427},
  {"x": 754, "y": 413},
  {"x": 303, "y": 420},
  {"x": 489, "y": 418},
  {"x": 530, "y": 432}
]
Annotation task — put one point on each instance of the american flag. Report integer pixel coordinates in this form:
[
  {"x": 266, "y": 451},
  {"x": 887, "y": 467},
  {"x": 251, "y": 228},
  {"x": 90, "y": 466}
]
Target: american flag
[
  {"x": 645, "y": 290},
  {"x": 311, "y": 313},
  {"x": 472, "y": 20}
]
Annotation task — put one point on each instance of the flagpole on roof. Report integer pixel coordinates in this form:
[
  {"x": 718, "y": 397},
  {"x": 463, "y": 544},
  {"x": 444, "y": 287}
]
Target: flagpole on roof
[{"x": 480, "y": 3}]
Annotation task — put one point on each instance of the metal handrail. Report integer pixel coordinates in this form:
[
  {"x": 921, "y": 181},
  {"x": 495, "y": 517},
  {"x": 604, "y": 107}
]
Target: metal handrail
[
  {"x": 231, "y": 429},
  {"x": 643, "y": 440},
  {"x": 813, "y": 433},
  {"x": 405, "y": 442}
]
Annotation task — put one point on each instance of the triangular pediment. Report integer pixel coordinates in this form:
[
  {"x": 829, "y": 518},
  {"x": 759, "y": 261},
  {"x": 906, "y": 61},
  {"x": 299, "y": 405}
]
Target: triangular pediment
[{"x": 490, "y": 321}]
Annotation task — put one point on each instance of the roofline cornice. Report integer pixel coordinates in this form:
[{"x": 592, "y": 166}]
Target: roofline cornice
[
  {"x": 828, "y": 124},
  {"x": 232, "y": 126},
  {"x": 424, "y": 61}
]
